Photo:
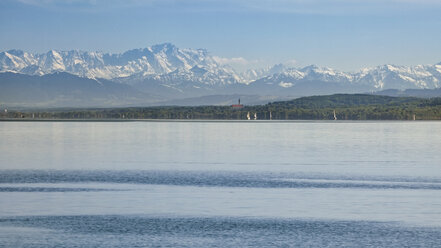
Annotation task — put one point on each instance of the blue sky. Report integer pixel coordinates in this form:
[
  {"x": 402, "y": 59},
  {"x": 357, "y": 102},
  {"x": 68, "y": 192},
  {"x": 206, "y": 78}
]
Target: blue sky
[{"x": 343, "y": 34}]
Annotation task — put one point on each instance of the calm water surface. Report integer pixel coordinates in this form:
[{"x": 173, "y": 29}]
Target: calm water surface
[{"x": 220, "y": 184}]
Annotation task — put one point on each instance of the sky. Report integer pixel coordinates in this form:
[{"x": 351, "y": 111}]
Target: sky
[{"x": 343, "y": 34}]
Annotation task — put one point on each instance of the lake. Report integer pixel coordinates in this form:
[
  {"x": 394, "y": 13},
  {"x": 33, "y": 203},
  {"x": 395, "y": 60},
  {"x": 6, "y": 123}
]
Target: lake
[{"x": 220, "y": 184}]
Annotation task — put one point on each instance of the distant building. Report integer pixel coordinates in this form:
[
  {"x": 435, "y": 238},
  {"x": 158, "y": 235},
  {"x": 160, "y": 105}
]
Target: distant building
[{"x": 237, "y": 105}]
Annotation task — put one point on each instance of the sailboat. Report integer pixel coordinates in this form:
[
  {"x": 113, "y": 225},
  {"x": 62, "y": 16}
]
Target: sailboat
[
  {"x": 335, "y": 116},
  {"x": 248, "y": 116},
  {"x": 271, "y": 116},
  {"x": 255, "y": 116}
]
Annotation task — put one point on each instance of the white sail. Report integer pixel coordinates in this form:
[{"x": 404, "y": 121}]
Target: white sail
[
  {"x": 335, "y": 116},
  {"x": 255, "y": 116},
  {"x": 248, "y": 116}
]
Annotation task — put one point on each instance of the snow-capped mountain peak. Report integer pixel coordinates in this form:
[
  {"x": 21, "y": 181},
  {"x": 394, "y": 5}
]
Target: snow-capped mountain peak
[
  {"x": 155, "y": 60},
  {"x": 168, "y": 64}
]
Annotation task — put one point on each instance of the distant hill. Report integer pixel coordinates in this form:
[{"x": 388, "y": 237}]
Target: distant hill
[
  {"x": 345, "y": 107},
  {"x": 423, "y": 93},
  {"x": 357, "y": 107},
  {"x": 221, "y": 100},
  {"x": 344, "y": 100},
  {"x": 62, "y": 89}
]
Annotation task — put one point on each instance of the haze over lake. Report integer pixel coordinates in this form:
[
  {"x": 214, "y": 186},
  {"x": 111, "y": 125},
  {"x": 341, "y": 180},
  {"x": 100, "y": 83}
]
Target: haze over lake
[{"x": 225, "y": 184}]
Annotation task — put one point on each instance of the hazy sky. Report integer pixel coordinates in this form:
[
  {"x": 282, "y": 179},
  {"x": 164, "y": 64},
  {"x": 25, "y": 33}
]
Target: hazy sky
[{"x": 343, "y": 34}]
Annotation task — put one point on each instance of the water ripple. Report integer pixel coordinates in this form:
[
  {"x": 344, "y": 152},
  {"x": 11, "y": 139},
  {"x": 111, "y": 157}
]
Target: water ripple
[
  {"x": 144, "y": 231},
  {"x": 210, "y": 179}
]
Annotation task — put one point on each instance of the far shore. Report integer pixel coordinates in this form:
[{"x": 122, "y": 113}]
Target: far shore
[{"x": 200, "y": 120}]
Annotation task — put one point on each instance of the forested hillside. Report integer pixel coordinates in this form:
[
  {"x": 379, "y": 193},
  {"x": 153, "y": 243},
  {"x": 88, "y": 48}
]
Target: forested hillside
[{"x": 346, "y": 107}]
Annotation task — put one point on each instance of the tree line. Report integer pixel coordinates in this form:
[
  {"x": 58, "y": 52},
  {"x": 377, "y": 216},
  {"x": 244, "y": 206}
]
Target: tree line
[{"x": 346, "y": 107}]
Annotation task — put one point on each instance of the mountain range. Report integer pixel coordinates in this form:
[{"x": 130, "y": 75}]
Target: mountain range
[{"x": 165, "y": 73}]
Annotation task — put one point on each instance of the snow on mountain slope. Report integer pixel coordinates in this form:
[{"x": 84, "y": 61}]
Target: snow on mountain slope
[
  {"x": 255, "y": 74},
  {"x": 400, "y": 77},
  {"x": 155, "y": 60},
  {"x": 378, "y": 78},
  {"x": 325, "y": 74},
  {"x": 289, "y": 77},
  {"x": 170, "y": 66}
]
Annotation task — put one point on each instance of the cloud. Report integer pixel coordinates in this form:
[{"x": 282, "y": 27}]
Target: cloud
[
  {"x": 231, "y": 61},
  {"x": 238, "y": 63},
  {"x": 291, "y": 63}
]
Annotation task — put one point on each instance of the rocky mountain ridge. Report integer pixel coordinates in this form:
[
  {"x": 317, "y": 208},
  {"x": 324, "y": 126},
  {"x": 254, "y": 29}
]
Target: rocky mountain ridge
[
  {"x": 168, "y": 65},
  {"x": 165, "y": 73}
]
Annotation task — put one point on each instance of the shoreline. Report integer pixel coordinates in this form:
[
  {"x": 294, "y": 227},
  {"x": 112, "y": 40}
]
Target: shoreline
[{"x": 204, "y": 120}]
